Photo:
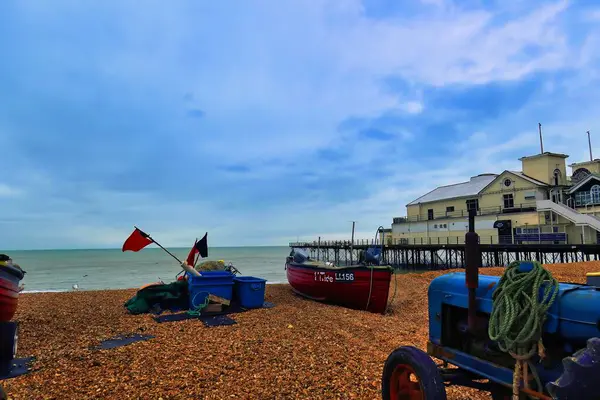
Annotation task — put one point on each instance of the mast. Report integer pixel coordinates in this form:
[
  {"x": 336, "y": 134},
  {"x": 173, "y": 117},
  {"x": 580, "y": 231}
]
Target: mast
[
  {"x": 590, "y": 146},
  {"x": 541, "y": 140}
]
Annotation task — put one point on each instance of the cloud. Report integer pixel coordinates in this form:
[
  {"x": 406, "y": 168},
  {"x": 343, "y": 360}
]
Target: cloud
[
  {"x": 8, "y": 191},
  {"x": 190, "y": 119}
]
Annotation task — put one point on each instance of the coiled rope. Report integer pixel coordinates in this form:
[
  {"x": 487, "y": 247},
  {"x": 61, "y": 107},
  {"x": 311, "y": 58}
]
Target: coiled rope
[
  {"x": 518, "y": 315},
  {"x": 198, "y": 308}
]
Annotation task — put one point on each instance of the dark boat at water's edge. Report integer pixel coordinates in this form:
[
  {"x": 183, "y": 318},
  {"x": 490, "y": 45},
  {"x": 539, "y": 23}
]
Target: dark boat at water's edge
[{"x": 364, "y": 286}]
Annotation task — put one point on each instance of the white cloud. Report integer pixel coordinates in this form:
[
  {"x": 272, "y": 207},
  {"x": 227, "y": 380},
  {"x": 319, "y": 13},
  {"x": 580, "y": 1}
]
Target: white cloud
[
  {"x": 413, "y": 107},
  {"x": 9, "y": 191}
]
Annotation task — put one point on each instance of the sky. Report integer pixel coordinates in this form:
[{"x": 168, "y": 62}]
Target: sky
[{"x": 263, "y": 122}]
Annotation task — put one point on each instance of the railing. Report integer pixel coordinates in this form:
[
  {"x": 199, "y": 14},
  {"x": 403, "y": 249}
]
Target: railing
[
  {"x": 517, "y": 238},
  {"x": 524, "y": 207}
]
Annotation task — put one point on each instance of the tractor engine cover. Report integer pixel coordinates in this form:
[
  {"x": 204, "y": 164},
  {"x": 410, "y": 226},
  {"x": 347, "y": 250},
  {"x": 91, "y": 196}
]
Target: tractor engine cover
[{"x": 574, "y": 316}]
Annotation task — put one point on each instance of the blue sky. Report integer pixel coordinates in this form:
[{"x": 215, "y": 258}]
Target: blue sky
[{"x": 262, "y": 122}]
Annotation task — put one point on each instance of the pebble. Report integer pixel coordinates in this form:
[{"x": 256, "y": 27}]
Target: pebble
[{"x": 331, "y": 352}]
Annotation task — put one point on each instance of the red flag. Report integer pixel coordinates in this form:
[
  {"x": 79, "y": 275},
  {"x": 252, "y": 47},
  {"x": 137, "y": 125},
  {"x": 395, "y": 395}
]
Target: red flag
[
  {"x": 199, "y": 247},
  {"x": 190, "y": 258},
  {"x": 137, "y": 241}
]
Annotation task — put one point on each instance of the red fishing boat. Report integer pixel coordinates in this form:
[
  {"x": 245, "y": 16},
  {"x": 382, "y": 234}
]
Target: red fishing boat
[
  {"x": 364, "y": 286},
  {"x": 10, "y": 276}
]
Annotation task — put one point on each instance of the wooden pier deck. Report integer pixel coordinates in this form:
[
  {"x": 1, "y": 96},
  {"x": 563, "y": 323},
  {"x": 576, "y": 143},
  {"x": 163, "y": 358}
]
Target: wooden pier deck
[{"x": 446, "y": 256}]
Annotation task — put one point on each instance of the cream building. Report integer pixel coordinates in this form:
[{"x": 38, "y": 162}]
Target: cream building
[{"x": 540, "y": 203}]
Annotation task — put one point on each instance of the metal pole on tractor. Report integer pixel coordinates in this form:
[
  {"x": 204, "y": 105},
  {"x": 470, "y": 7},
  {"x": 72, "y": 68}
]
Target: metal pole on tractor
[{"x": 473, "y": 258}]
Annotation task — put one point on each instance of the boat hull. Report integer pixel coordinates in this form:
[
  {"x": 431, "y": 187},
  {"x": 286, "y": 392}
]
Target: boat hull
[
  {"x": 9, "y": 292},
  {"x": 349, "y": 287}
]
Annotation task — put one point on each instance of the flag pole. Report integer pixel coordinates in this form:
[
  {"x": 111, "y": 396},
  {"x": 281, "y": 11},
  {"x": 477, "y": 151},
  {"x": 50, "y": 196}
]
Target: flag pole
[{"x": 159, "y": 245}]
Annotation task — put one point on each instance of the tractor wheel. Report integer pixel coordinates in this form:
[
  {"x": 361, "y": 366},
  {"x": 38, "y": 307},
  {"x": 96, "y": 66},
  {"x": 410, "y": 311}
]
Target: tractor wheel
[
  {"x": 410, "y": 374},
  {"x": 580, "y": 376}
]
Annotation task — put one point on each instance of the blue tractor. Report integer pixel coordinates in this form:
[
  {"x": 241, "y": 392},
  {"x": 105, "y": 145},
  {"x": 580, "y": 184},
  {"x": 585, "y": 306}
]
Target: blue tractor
[{"x": 491, "y": 334}]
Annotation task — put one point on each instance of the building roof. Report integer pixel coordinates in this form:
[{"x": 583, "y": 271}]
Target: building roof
[
  {"x": 528, "y": 178},
  {"x": 546, "y": 153},
  {"x": 463, "y": 189},
  {"x": 577, "y": 164},
  {"x": 582, "y": 182}
]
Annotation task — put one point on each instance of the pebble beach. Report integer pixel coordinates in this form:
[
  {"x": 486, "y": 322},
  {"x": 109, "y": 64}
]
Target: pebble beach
[{"x": 298, "y": 349}]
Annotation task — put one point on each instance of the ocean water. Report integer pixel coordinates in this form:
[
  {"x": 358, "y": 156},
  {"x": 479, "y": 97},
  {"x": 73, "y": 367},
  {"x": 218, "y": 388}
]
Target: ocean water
[{"x": 59, "y": 270}]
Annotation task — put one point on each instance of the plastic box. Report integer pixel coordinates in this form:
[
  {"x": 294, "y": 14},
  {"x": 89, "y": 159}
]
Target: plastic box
[
  {"x": 218, "y": 283},
  {"x": 250, "y": 291},
  {"x": 593, "y": 279}
]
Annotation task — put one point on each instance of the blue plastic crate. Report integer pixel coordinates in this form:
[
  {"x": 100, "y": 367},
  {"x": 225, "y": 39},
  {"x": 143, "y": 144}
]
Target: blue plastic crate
[
  {"x": 210, "y": 276},
  {"x": 218, "y": 283},
  {"x": 250, "y": 291}
]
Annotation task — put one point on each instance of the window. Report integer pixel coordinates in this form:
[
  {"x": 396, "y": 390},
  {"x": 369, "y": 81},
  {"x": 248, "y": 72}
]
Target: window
[
  {"x": 595, "y": 194},
  {"x": 579, "y": 174},
  {"x": 582, "y": 198},
  {"x": 529, "y": 195},
  {"x": 435, "y": 226},
  {"x": 473, "y": 204},
  {"x": 507, "y": 182},
  {"x": 450, "y": 209},
  {"x": 430, "y": 213},
  {"x": 556, "y": 177},
  {"x": 509, "y": 202}
]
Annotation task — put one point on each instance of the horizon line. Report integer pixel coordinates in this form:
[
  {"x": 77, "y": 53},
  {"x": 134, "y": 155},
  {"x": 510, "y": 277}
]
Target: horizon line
[{"x": 119, "y": 248}]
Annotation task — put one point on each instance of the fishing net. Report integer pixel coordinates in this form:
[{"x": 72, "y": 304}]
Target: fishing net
[{"x": 211, "y": 266}]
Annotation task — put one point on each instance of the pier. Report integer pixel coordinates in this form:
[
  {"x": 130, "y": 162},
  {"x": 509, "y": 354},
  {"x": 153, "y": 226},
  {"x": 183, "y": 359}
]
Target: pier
[{"x": 446, "y": 256}]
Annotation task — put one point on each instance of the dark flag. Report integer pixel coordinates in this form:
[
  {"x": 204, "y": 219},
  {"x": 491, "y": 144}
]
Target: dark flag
[
  {"x": 199, "y": 247},
  {"x": 137, "y": 241}
]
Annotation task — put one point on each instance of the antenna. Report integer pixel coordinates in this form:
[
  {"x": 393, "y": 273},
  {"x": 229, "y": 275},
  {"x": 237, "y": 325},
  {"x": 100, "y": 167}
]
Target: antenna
[
  {"x": 541, "y": 140},
  {"x": 590, "y": 145}
]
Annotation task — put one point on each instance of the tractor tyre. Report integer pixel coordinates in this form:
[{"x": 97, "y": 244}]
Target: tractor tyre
[
  {"x": 579, "y": 380},
  {"x": 410, "y": 373}
]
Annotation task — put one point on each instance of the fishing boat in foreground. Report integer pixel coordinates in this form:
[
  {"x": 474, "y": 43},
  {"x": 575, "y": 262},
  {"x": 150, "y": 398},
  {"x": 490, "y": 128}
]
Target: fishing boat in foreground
[
  {"x": 10, "y": 276},
  {"x": 363, "y": 286}
]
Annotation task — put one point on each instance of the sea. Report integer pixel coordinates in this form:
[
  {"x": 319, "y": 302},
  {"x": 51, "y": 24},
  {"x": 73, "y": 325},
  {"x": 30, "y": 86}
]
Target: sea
[{"x": 64, "y": 270}]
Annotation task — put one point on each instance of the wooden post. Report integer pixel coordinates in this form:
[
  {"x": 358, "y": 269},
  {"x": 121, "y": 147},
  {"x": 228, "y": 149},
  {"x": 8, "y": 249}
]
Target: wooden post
[
  {"x": 319, "y": 248},
  {"x": 539, "y": 229},
  {"x": 352, "y": 243}
]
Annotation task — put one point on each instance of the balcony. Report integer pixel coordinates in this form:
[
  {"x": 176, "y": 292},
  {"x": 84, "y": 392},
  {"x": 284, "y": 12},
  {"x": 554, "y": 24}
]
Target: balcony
[{"x": 517, "y": 208}]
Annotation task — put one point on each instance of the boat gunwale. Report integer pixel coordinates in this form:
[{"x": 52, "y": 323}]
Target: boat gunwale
[
  {"x": 13, "y": 271},
  {"x": 365, "y": 268}
]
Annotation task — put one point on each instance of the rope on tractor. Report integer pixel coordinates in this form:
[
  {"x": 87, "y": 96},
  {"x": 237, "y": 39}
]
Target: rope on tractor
[{"x": 518, "y": 315}]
